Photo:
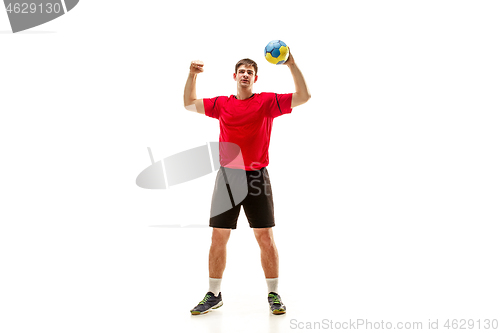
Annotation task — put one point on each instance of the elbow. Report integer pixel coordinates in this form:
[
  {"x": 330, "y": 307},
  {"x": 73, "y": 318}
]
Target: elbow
[
  {"x": 308, "y": 94},
  {"x": 191, "y": 107},
  {"x": 306, "y": 97},
  {"x": 188, "y": 104}
]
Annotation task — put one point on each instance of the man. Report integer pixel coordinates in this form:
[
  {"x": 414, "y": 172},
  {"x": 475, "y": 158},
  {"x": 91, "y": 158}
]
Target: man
[{"x": 246, "y": 120}]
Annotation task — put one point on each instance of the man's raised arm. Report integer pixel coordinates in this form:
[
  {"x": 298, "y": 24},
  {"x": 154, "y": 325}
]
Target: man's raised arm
[
  {"x": 301, "y": 94},
  {"x": 190, "y": 101}
]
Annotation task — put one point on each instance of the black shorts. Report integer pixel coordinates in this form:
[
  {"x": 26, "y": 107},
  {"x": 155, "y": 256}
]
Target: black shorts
[{"x": 250, "y": 189}]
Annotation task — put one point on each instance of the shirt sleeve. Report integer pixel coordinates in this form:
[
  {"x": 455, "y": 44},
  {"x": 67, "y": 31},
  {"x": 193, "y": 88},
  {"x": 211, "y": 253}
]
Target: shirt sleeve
[
  {"x": 280, "y": 104},
  {"x": 212, "y": 106}
]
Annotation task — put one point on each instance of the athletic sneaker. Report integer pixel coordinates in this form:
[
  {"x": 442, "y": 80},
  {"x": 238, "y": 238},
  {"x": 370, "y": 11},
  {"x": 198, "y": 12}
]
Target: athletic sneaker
[
  {"x": 275, "y": 303},
  {"x": 208, "y": 303}
]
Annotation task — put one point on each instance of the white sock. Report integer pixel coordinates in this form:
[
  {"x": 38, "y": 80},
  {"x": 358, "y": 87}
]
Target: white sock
[
  {"x": 214, "y": 285},
  {"x": 272, "y": 285}
]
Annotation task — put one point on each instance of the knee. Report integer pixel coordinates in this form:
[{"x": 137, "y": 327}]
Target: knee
[
  {"x": 265, "y": 240},
  {"x": 220, "y": 238}
]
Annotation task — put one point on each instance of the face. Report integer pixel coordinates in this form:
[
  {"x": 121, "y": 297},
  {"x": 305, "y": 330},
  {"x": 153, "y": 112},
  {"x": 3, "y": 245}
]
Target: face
[{"x": 245, "y": 76}]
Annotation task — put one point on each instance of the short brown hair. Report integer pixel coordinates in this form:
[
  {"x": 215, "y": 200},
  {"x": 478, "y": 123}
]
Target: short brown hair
[{"x": 246, "y": 62}]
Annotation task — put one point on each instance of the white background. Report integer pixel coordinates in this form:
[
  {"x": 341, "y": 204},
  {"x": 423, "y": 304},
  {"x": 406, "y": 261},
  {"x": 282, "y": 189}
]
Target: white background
[{"x": 386, "y": 182}]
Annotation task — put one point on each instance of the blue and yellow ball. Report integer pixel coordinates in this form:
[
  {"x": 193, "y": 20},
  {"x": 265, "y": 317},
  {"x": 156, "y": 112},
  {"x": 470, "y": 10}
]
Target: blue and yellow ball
[{"x": 276, "y": 52}]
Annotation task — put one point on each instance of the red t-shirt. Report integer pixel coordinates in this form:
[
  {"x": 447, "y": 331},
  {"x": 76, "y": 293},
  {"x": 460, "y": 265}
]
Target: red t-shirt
[{"x": 248, "y": 124}]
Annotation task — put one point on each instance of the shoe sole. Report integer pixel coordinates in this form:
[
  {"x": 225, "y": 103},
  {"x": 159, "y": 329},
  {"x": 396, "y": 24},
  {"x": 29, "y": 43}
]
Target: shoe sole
[
  {"x": 216, "y": 306},
  {"x": 279, "y": 312}
]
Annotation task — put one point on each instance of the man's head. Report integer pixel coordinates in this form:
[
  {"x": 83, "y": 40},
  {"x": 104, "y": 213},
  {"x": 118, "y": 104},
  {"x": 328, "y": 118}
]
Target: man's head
[
  {"x": 245, "y": 73},
  {"x": 247, "y": 62}
]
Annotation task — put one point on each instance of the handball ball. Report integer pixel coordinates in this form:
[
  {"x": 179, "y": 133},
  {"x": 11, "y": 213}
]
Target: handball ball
[{"x": 276, "y": 52}]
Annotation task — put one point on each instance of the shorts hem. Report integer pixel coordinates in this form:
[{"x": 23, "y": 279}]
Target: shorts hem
[
  {"x": 220, "y": 227},
  {"x": 263, "y": 227}
]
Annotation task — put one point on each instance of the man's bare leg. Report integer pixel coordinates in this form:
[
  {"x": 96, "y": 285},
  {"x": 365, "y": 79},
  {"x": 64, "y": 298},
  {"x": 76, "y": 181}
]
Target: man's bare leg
[
  {"x": 216, "y": 265},
  {"x": 217, "y": 255},
  {"x": 268, "y": 252},
  {"x": 270, "y": 264}
]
